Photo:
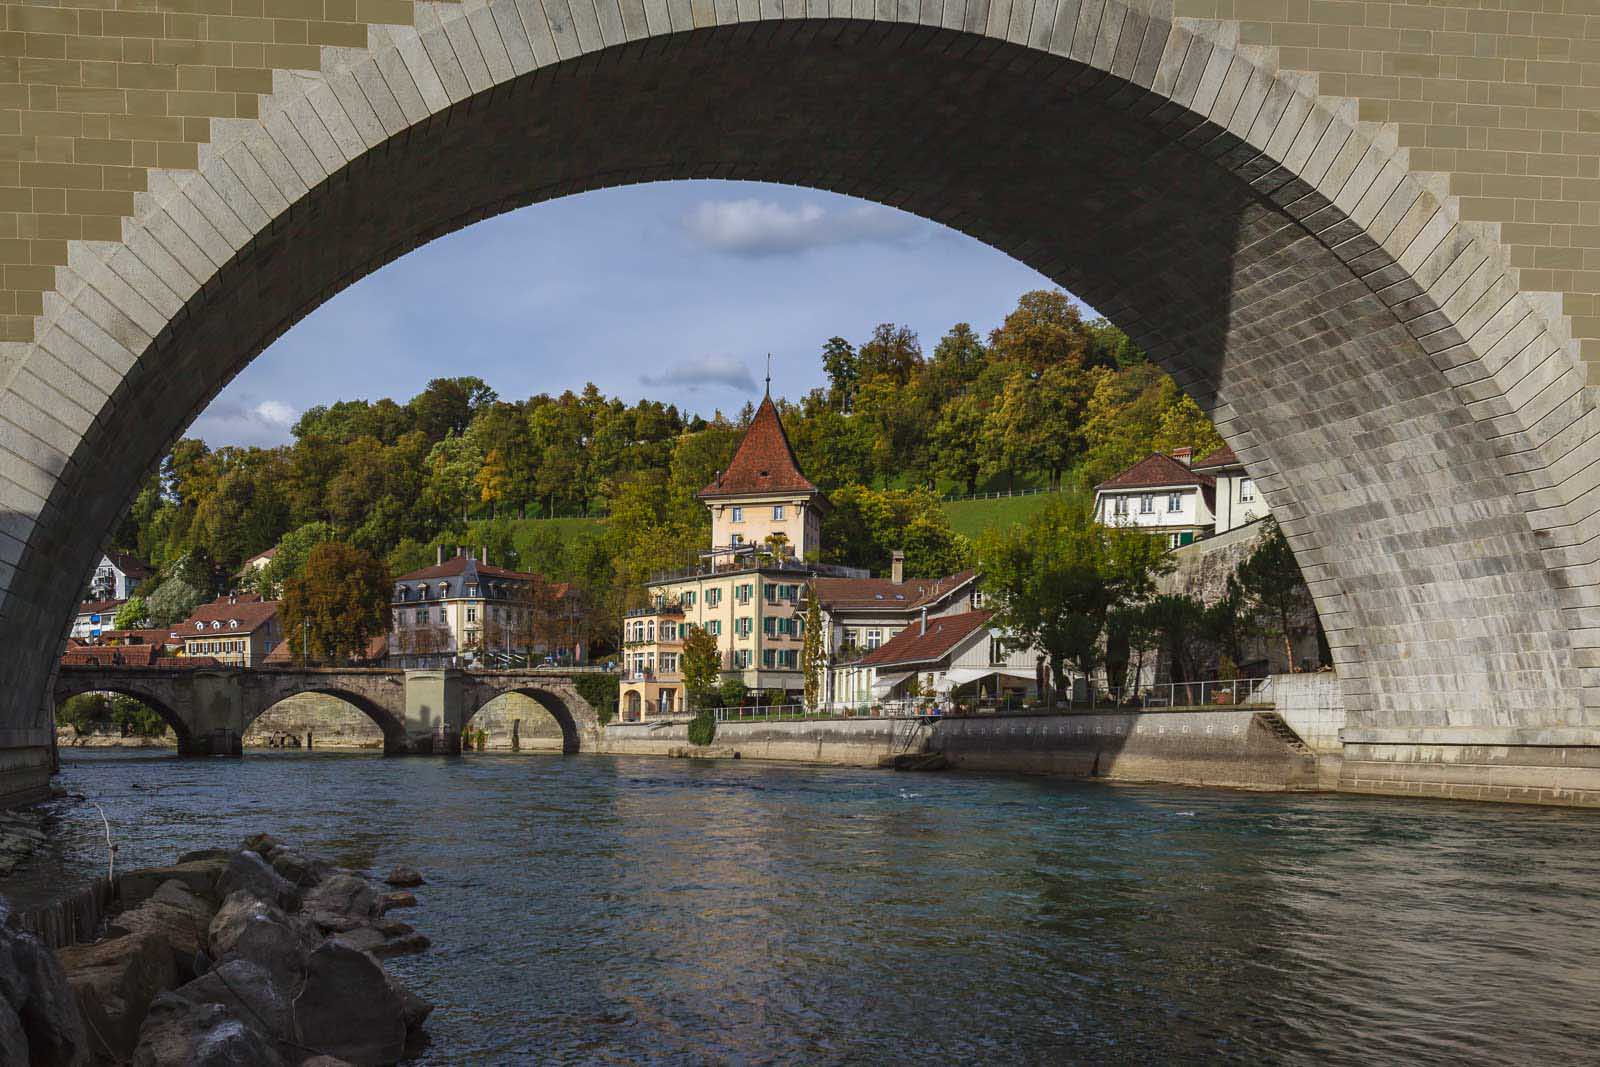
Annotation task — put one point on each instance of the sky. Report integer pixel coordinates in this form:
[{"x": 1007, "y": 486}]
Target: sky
[{"x": 674, "y": 291}]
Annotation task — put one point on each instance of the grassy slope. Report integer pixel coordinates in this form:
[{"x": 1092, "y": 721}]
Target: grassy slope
[{"x": 968, "y": 517}]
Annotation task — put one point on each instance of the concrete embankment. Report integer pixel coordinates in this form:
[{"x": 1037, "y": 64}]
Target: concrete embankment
[{"x": 1292, "y": 745}]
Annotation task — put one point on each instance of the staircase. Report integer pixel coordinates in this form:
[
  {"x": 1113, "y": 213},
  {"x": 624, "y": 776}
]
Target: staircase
[{"x": 1283, "y": 732}]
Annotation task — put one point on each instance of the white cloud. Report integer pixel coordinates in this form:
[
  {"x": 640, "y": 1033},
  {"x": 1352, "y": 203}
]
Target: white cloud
[
  {"x": 764, "y": 228},
  {"x": 693, "y": 374},
  {"x": 244, "y": 422}
]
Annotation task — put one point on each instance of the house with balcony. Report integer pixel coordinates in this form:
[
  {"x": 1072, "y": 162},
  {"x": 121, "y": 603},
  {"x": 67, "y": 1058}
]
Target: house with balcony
[
  {"x": 464, "y": 608},
  {"x": 118, "y": 576},
  {"x": 942, "y": 661}
]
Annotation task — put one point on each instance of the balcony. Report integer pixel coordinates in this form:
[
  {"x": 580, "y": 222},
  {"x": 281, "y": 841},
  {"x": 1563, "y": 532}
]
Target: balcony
[{"x": 746, "y": 558}]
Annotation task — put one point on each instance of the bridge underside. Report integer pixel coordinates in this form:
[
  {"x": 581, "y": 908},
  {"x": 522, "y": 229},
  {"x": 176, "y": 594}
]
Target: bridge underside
[{"x": 1420, "y": 424}]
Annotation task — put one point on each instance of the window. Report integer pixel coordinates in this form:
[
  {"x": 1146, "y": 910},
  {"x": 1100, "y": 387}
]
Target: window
[
  {"x": 769, "y": 625},
  {"x": 1172, "y": 540},
  {"x": 768, "y": 658},
  {"x": 650, "y": 630},
  {"x": 741, "y": 658},
  {"x": 714, "y": 627},
  {"x": 669, "y": 661},
  {"x": 742, "y": 593},
  {"x": 472, "y": 590},
  {"x": 777, "y": 513},
  {"x": 472, "y": 614},
  {"x": 1247, "y": 489},
  {"x": 1174, "y": 502},
  {"x": 997, "y": 651},
  {"x": 874, "y": 638},
  {"x": 738, "y": 539},
  {"x": 788, "y": 658},
  {"x": 669, "y": 631},
  {"x": 1119, "y": 506},
  {"x": 738, "y": 516},
  {"x": 772, "y": 594},
  {"x": 688, "y": 599},
  {"x": 742, "y": 626},
  {"x": 1147, "y": 504},
  {"x": 422, "y": 616},
  {"x": 713, "y": 597}
]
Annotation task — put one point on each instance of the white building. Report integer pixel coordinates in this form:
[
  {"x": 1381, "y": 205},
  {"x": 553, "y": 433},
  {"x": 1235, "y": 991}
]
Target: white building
[
  {"x": 95, "y": 617},
  {"x": 1160, "y": 494},
  {"x": 945, "y": 661},
  {"x": 117, "y": 577},
  {"x": 1237, "y": 501}
]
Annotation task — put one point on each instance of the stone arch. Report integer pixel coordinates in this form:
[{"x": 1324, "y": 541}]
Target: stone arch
[
  {"x": 394, "y": 731},
  {"x": 180, "y": 727},
  {"x": 576, "y": 719},
  {"x": 1419, "y": 423}
]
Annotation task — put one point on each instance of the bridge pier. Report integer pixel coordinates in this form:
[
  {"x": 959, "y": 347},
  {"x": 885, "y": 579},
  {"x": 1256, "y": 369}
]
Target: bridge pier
[{"x": 434, "y": 713}]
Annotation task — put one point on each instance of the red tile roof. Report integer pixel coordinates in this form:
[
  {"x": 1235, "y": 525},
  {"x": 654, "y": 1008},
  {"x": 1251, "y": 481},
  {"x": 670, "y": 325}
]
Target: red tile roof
[
  {"x": 915, "y": 645},
  {"x": 112, "y": 656},
  {"x": 1155, "y": 471},
  {"x": 764, "y": 461},
  {"x": 1222, "y": 457},
  {"x": 251, "y": 613},
  {"x": 457, "y": 565},
  {"x": 129, "y": 564},
  {"x": 100, "y": 607},
  {"x": 882, "y": 593}
]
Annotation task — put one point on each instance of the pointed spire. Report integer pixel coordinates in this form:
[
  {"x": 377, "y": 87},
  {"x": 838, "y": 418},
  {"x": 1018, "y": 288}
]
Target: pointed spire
[{"x": 764, "y": 461}]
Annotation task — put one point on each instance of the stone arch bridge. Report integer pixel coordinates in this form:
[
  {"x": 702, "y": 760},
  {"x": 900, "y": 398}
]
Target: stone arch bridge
[
  {"x": 209, "y": 709},
  {"x": 1365, "y": 236}
]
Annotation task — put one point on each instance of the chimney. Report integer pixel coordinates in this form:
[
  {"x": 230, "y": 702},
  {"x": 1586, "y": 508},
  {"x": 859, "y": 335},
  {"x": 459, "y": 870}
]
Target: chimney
[
  {"x": 897, "y": 567},
  {"x": 440, "y": 560},
  {"x": 1183, "y": 455},
  {"x": 922, "y": 631},
  {"x": 483, "y": 555}
]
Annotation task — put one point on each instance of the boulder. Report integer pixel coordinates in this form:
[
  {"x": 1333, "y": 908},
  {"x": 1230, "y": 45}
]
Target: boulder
[
  {"x": 348, "y": 1008},
  {"x": 414, "y": 1011},
  {"x": 390, "y": 901},
  {"x": 261, "y": 844},
  {"x": 219, "y": 856},
  {"x": 251, "y": 993},
  {"x": 403, "y": 877},
  {"x": 199, "y": 876},
  {"x": 48, "y": 1010},
  {"x": 249, "y": 872},
  {"x": 303, "y": 871},
  {"x": 247, "y": 928},
  {"x": 114, "y": 982},
  {"x": 340, "y": 897},
  {"x": 13, "y": 1042},
  {"x": 386, "y": 940},
  {"x": 177, "y": 916},
  {"x": 178, "y": 1033}
]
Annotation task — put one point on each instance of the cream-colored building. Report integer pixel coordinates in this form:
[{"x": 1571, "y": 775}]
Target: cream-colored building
[
  {"x": 944, "y": 662},
  {"x": 236, "y": 631},
  {"x": 464, "y": 608},
  {"x": 1237, "y": 500}
]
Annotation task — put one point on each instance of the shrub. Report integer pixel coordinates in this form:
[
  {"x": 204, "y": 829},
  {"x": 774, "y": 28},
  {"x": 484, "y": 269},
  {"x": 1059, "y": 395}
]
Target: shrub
[
  {"x": 703, "y": 727},
  {"x": 601, "y": 691}
]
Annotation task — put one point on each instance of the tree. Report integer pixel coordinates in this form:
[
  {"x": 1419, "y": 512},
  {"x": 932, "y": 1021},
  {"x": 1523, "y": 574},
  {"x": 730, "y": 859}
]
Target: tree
[
  {"x": 700, "y": 663},
  {"x": 732, "y": 691},
  {"x": 843, "y": 368},
  {"x": 866, "y": 526},
  {"x": 173, "y": 601},
  {"x": 448, "y": 405},
  {"x": 1274, "y": 592},
  {"x": 813, "y": 652},
  {"x": 340, "y": 601},
  {"x": 133, "y": 615},
  {"x": 1045, "y": 330},
  {"x": 290, "y": 558},
  {"x": 1055, "y": 579}
]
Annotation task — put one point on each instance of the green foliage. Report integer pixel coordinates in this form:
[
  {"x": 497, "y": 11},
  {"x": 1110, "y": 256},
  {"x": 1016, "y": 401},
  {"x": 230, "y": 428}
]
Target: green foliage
[
  {"x": 731, "y": 691},
  {"x": 1055, "y": 580},
  {"x": 602, "y": 691},
  {"x": 290, "y": 558},
  {"x": 173, "y": 601},
  {"x": 813, "y": 653},
  {"x": 133, "y": 615},
  {"x": 866, "y": 526},
  {"x": 89, "y": 712},
  {"x": 339, "y": 602},
  {"x": 703, "y": 727},
  {"x": 1271, "y": 588},
  {"x": 700, "y": 663}
]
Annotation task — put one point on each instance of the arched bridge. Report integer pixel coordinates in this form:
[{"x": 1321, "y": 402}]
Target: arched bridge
[{"x": 419, "y": 711}]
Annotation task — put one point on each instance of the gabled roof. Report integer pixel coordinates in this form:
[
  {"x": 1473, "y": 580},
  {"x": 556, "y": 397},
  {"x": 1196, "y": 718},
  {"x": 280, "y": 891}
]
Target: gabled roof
[
  {"x": 1156, "y": 471},
  {"x": 129, "y": 564},
  {"x": 763, "y": 463},
  {"x": 468, "y": 567},
  {"x": 99, "y": 607},
  {"x": 268, "y": 554},
  {"x": 883, "y": 594},
  {"x": 1222, "y": 457},
  {"x": 250, "y": 612},
  {"x": 916, "y": 645}
]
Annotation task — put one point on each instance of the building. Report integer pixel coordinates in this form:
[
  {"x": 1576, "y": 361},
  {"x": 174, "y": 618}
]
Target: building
[
  {"x": 94, "y": 618},
  {"x": 464, "y": 608},
  {"x": 118, "y": 576},
  {"x": 1161, "y": 494},
  {"x": 747, "y": 591},
  {"x": 945, "y": 661},
  {"x": 1236, "y": 501},
  {"x": 236, "y": 631}
]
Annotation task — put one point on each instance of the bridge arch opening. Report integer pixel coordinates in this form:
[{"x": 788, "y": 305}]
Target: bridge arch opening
[
  {"x": 341, "y": 718},
  {"x": 1364, "y": 354},
  {"x": 521, "y": 721},
  {"x": 64, "y": 695},
  {"x": 572, "y": 731}
]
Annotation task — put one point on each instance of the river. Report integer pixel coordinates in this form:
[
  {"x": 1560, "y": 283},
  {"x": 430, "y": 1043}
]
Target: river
[{"x": 627, "y": 910}]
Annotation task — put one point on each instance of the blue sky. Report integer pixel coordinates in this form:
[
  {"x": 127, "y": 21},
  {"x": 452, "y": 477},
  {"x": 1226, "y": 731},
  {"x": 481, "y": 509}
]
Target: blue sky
[{"x": 675, "y": 291}]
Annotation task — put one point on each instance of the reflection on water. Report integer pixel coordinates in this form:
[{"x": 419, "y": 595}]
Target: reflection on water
[{"x": 617, "y": 910}]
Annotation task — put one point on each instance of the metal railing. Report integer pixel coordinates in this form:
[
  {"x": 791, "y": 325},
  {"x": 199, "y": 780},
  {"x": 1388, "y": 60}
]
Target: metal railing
[{"x": 997, "y": 495}]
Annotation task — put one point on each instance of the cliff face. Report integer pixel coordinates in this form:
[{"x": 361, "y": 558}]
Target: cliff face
[{"x": 1203, "y": 567}]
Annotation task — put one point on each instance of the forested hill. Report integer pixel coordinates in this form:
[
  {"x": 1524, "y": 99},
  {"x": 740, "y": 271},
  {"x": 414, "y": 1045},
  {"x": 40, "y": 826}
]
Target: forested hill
[{"x": 1045, "y": 397}]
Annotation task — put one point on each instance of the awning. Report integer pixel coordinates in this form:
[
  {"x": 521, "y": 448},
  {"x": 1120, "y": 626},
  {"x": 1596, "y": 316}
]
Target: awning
[
  {"x": 885, "y": 682},
  {"x": 962, "y": 675}
]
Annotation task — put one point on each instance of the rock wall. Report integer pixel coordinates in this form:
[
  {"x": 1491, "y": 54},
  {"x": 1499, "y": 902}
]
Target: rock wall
[
  {"x": 515, "y": 715},
  {"x": 837, "y": 742},
  {"x": 331, "y": 722}
]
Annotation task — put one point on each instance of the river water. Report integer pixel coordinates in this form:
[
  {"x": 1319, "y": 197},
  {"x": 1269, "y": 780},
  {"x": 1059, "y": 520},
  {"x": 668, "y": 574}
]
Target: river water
[{"x": 624, "y": 910}]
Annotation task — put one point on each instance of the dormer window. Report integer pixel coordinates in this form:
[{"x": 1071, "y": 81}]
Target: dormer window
[
  {"x": 233, "y": 624},
  {"x": 199, "y": 627},
  {"x": 217, "y": 625}
]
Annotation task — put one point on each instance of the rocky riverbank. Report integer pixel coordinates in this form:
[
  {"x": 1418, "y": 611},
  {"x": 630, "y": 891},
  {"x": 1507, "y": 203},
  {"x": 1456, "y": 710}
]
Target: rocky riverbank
[
  {"x": 21, "y": 835},
  {"x": 67, "y": 737},
  {"x": 258, "y": 956}
]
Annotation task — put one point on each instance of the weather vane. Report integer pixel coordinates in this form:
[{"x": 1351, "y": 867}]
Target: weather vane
[{"x": 769, "y": 373}]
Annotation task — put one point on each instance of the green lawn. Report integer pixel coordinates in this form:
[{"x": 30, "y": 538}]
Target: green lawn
[{"x": 972, "y": 517}]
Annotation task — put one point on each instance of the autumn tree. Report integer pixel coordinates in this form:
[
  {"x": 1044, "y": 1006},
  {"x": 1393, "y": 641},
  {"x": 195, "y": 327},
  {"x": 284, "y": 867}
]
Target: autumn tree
[
  {"x": 700, "y": 663},
  {"x": 338, "y": 603},
  {"x": 813, "y": 652},
  {"x": 1273, "y": 590}
]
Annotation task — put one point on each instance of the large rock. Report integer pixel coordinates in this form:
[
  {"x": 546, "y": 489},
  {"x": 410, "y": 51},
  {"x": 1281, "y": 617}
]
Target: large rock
[
  {"x": 386, "y": 939},
  {"x": 252, "y": 993},
  {"x": 340, "y": 902},
  {"x": 178, "y": 1033},
  {"x": 179, "y": 917},
  {"x": 247, "y": 928},
  {"x": 114, "y": 982},
  {"x": 402, "y": 899},
  {"x": 403, "y": 877},
  {"x": 13, "y": 1042},
  {"x": 249, "y": 872},
  {"x": 48, "y": 1010},
  {"x": 300, "y": 870},
  {"x": 199, "y": 876},
  {"x": 348, "y": 1008}
]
